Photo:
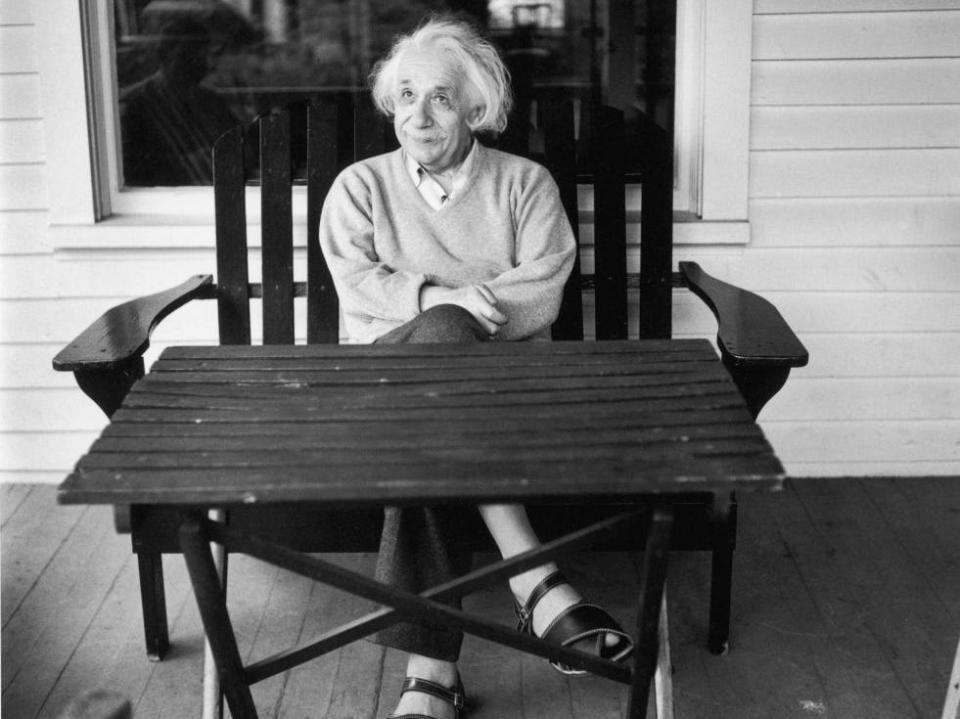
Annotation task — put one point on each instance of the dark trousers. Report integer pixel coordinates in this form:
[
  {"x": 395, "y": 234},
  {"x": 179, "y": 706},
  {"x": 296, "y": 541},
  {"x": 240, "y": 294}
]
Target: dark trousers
[{"x": 421, "y": 547}]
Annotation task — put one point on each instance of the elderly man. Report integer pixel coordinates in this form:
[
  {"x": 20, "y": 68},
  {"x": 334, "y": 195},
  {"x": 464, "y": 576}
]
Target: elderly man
[{"x": 445, "y": 240}]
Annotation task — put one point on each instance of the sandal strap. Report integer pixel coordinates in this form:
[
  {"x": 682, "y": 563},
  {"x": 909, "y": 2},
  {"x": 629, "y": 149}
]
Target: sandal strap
[
  {"x": 456, "y": 696},
  {"x": 525, "y": 611}
]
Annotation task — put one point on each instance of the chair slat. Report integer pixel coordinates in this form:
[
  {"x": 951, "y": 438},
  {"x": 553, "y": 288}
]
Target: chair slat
[
  {"x": 610, "y": 237},
  {"x": 323, "y": 307},
  {"x": 277, "y": 222},
  {"x": 233, "y": 306},
  {"x": 656, "y": 234},
  {"x": 556, "y": 122},
  {"x": 372, "y": 136}
]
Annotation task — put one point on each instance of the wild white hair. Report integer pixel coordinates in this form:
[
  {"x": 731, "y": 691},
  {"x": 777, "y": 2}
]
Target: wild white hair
[{"x": 486, "y": 80}]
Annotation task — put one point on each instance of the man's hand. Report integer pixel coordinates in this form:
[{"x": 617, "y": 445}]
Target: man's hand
[{"x": 478, "y": 300}]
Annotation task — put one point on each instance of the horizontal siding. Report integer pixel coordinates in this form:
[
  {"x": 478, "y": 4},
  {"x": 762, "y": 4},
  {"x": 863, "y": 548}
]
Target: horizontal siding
[
  {"x": 37, "y": 456},
  {"x": 875, "y": 356},
  {"x": 23, "y": 187},
  {"x": 855, "y": 222},
  {"x": 856, "y": 82},
  {"x": 855, "y": 173},
  {"x": 21, "y": 97},
  {"x": 851, "y": 399},
  {"x": 18, "y": 49},
  {"x": 834, "y": 448},
  {"x": 848, "y": 127},
  {"x": 855, "y": 178},
  {"x": 16, "y": 12},
  {"x": 856, "y": 35},
  {"x": 21, "y": 232},
  {"x": 35, "y": 411},
  {"x": 21, "y": 141},
  {"x": 50, "y": 452},
  {"x": 794, "y": 7}
]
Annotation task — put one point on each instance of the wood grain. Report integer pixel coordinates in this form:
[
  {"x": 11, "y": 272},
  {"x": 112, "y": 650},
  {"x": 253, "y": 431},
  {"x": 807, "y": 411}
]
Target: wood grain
[{"x": 500, "y": 420}]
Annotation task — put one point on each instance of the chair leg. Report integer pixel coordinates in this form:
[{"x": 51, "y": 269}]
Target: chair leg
[
  {"x": 721, "y": 585},
  {"x": 723, "y": 540},
  {"x": 154, "y": 605}
]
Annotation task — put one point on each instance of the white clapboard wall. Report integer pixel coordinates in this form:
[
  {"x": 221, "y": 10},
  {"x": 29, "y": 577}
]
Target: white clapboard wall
[
  {"x": 855, "y": 215},
  {"x": 855, "y": 236}
]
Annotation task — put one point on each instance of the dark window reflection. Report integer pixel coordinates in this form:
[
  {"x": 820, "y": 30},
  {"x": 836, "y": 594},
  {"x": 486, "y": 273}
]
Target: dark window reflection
[{"x": 189, "y": 69}]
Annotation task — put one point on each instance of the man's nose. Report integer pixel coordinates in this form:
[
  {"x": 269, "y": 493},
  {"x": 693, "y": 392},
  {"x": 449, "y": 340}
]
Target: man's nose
[{"x": 421, "y": 113}]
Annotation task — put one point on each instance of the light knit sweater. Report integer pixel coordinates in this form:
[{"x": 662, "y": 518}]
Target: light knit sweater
[{"x": 506, "y": 228}]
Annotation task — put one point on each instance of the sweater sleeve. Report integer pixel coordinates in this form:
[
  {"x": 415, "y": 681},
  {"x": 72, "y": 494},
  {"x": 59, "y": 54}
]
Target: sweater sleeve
[
  {"x": 530, "y": 293},
  {"x": 367, "y": 287}
]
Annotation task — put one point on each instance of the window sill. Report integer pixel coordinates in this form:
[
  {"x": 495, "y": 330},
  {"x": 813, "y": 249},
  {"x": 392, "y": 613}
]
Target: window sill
[{"x": 196, "y": 232}]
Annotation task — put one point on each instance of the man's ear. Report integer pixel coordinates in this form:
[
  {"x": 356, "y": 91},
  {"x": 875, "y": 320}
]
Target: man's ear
[{"x": 476, "y": 114}]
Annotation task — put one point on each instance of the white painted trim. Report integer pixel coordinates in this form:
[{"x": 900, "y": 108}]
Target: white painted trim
[
  {"x": 712, "y": 126},
  {"x": 688, "y": 120},
  {"x": 704, "y": 232},
  {"x": 61, "y": 62},
  {"x": 726, "y": 110}
]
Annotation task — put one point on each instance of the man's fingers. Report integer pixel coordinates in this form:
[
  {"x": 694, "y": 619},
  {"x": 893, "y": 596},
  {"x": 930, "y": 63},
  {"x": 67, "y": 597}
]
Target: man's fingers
[
  {"x": 490, "y": 328},
  {"x": 487, "y": 294},
  {"x": 495, "y": 316}
]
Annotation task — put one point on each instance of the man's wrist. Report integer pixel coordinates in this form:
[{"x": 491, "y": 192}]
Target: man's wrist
[{"x": 431, "y": 296}]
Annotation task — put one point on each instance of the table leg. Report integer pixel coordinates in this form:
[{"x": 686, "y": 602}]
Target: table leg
[
  {"x": 663, "y": 679},
  {"x": 212, "y": 604},
  {"x": 653, "y": 576},
  {"x": 212, "y": 696}
]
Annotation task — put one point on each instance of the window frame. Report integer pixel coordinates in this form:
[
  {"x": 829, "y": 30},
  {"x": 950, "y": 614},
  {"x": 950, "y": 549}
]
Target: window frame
[{"x": 87, "y": 210}]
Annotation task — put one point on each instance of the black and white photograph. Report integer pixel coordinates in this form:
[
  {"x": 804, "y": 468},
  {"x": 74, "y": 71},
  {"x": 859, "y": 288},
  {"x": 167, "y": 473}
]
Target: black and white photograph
[{"x": 480, "y": 359}]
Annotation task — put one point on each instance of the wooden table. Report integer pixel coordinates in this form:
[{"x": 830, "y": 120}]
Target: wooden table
[{"x": 369, "y": 425}]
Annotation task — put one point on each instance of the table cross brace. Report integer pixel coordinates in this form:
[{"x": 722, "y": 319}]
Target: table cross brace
[{"x": 197, "y": 532}]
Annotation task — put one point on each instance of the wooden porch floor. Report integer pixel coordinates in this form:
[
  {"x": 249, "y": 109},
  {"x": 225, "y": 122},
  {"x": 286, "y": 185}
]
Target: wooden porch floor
[{"x": 846, "y": 604}]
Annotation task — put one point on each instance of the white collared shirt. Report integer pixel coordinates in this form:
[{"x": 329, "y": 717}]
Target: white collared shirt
[{"x": 431, "y": 190}]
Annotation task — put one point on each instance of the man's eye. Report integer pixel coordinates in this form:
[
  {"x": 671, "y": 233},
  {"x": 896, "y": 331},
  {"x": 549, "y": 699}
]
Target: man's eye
[
  {"x": 441, "y": 100},
  {"x": 406, "y": 95}
]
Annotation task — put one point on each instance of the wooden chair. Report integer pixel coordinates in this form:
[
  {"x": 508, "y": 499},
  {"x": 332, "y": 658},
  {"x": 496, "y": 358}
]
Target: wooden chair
[{"x": 755, "y": 343}]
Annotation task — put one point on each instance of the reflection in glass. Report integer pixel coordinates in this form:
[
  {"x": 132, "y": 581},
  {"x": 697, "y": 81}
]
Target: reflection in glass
[{"x": 189, "y": 69}]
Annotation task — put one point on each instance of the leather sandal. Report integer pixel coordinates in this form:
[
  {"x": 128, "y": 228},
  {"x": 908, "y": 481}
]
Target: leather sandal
[
  {"x": 574, "y": 624},
  {"x": 455, "y": 697}
]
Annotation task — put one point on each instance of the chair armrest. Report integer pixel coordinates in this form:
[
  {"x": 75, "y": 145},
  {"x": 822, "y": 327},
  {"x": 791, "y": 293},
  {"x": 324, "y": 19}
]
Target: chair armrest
[
  {"x": 751, "y": 332},
  {"x": 122, "y": 334}
]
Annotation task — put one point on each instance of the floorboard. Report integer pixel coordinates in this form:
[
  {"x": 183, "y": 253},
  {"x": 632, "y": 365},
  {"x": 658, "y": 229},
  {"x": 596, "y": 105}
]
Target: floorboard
[{"x": 846, "y": 604}]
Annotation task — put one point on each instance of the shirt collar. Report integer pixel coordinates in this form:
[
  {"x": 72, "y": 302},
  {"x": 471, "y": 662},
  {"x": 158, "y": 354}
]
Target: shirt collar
[{"x": 431, "y": 190}]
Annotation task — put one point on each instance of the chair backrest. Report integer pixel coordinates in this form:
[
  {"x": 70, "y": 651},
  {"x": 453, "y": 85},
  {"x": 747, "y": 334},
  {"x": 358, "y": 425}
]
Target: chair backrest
[{"x": 343, "y": 129}]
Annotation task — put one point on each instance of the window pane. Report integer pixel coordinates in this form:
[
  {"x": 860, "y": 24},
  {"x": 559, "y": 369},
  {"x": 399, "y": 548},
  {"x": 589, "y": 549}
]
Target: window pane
[{"x": 189, "y": 69}]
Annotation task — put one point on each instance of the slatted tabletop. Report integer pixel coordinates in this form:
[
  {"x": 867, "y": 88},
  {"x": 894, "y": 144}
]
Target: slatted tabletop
[{"x": 418, "y": 423}]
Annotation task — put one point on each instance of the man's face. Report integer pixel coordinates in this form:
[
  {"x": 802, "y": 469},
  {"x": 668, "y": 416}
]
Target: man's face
[{"x": 431, "y": 111}]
